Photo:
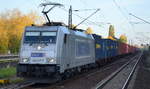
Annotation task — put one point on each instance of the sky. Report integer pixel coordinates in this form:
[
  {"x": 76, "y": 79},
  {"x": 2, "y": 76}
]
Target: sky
[{"x": 115, "y": 12}]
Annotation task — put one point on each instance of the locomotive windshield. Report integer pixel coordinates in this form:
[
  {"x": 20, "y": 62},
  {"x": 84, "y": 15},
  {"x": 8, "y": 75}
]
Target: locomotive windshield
[{"x": 40, "y": 37}]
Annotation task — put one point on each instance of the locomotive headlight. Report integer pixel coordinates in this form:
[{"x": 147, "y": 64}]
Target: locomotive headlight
[
  {"x": 51, "y": 60},
  {"x": 25, "y": 60},
  {"x": 39, "y": 47}
]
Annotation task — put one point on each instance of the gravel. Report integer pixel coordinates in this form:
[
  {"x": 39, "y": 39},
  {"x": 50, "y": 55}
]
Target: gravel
[
  {"x": 143, "y": 76},
  {"x": 87, "y": 80},
  {"x": 118, "y": 81}
]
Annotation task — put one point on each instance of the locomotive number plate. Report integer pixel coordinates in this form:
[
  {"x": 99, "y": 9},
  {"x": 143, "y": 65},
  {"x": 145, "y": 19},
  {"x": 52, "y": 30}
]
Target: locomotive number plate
[
  {"x": 37, "y": 54},
  {"x": 37, "y": 60}
]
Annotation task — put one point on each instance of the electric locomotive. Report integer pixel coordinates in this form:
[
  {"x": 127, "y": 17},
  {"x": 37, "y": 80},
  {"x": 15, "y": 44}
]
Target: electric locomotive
[{"x": 47, "y": 51}]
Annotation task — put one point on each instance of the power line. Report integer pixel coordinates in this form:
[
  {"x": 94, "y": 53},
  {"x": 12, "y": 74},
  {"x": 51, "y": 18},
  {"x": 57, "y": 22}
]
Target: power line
[
  {"x": 139, "y": 18},
  {"x": 81, "y": 17},
  {"x": 89, "y": 21},
  {"x": 119, "y": 8},
  {"x": 86, "y": 9},
  {"x": 88, "y": 17},
  {"x": 122, "y": 12}
]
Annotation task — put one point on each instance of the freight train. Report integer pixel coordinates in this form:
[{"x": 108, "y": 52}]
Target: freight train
[{"x": 54, "y": 51}]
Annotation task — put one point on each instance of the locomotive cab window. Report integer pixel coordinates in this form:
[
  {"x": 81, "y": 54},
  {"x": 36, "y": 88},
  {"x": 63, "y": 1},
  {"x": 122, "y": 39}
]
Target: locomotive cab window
[
  {"x": 48, "y": 33},
  {"x": 40, "y": 37},
  {"x": 49, "y": 37},
  {"x": 32, "y": 34}
]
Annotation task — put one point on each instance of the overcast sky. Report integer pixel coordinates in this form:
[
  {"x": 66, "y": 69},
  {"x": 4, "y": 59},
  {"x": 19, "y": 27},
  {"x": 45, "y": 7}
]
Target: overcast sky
[{"x": 115, "y": 12}]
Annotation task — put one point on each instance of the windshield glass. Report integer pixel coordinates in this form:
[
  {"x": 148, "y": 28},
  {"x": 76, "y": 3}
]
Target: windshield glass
[
  {"x": 40, "y": 37},
  {"x": 32, "y": 33}
]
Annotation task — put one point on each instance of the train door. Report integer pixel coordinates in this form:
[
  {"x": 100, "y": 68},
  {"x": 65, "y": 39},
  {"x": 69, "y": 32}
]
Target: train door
[
  {"x": 68, "y": 51},
  {"x": 70, "y": 47}
]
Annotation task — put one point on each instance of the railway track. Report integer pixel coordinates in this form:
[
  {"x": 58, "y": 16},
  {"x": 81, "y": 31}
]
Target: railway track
[
  {"x": 17, "y": 86},
  {"x": 8, "y": 60},
  {"x": 88, "y": 79},
  {"x": 120, "y": 78},
  {"x": 2, "y": 57}
]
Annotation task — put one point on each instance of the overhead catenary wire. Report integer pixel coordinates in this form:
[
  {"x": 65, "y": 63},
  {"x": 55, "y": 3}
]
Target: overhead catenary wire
[
  {"x": 124, "y": 15},
  {"x": 86, "y": 9},
  {"x": 87, "y": 17},
  {"x": 119, "y": 8},
  {"x": 82, "y": 18},
  {"x": 88, "y": 22},
  {"x": 139, "y": 18},
  {"x": 145, "y": 21},
  {"x": 122, "y": 12}
]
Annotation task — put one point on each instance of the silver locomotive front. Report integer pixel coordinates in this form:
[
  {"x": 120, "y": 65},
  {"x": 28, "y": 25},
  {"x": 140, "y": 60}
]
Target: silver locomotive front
[{"x": 38, "y": 52}]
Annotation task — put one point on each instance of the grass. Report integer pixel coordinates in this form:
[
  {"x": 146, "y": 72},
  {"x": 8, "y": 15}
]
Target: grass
[
  {"x": 10, "y": 74},
  {"x": 17, "y": 80},
  {"x": 7, "y": 72}
]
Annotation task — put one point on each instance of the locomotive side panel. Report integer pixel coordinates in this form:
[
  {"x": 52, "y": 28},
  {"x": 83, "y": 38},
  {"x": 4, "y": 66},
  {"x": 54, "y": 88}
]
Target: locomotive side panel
[{"x": 79, "y": 51}]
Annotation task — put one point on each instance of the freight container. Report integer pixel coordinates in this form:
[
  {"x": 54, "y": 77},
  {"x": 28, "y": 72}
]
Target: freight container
[
  {"x": 105, "y": 48},
  {"x": 112, "y": 45},
  {"x": 123, "y": 48},
  {"x": 100, "y": 47}
]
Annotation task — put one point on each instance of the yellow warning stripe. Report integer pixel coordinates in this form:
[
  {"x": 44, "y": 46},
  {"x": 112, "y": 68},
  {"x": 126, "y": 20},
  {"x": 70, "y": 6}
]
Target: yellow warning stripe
[{"x": 4, "y": 81}]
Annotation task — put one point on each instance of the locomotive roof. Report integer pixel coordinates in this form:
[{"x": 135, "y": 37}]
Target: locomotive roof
[{"x": 56, "y": 28}]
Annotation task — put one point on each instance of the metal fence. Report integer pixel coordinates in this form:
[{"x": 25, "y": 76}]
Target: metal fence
[{"x": 8, "y": 56}]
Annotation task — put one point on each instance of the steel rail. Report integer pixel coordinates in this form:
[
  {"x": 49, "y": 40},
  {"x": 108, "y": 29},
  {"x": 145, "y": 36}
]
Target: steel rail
[
  {"x": 108, "y": 66},
  {"x": 105, "y": 81},
  {"x": 25, "y": 85},
  {"x": 18, "y": 86},
  {"x": 131, "y": 73},
  {"x": 8, "y": 56}
]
